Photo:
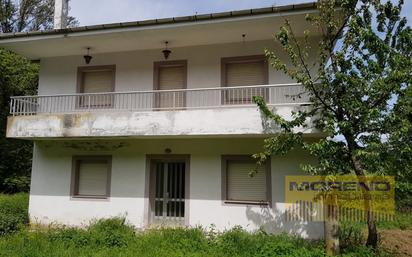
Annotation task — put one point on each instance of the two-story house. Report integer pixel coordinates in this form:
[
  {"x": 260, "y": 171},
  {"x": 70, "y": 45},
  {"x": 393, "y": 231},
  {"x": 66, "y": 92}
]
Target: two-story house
[{"x": 125, "y": 124}]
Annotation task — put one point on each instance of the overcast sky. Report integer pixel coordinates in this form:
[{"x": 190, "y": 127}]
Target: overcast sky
[{"x": 90, "y": 12}]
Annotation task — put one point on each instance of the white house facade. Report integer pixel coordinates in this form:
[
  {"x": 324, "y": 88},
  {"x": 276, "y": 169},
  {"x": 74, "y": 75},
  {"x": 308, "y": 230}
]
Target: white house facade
[{"x": 161, "y": 140}]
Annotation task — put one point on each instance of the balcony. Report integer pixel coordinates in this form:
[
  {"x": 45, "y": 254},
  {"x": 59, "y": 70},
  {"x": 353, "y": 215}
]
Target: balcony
[
  {"x": 158, "y": 100},
  {"x": 204, "y": 111}
]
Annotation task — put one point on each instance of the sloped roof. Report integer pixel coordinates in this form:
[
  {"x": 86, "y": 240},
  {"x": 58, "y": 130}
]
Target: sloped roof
[{"x": 173, "y": 20}]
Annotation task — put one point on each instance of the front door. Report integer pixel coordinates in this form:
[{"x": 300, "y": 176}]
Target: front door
[{"x": 168, "y": 192}]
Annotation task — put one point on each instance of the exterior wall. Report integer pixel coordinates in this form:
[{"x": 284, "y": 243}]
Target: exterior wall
[
  {"x": 50, "y": 200},
  {"x": 134, "y": 70}
]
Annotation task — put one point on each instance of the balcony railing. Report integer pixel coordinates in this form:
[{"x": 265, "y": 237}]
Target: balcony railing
[{"x": 140, "y": 101}]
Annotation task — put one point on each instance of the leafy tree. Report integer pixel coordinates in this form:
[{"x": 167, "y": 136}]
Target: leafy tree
[
  {"x": 397, "y": 149},
  {"x": 28, "y": 15},
  {"x": 19, "y": 76},
  {"x": 359, "y": 86}
]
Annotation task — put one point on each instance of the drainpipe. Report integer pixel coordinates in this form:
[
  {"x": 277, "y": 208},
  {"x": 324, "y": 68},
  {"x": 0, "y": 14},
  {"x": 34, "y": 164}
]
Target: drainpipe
[{"x": 61, "y": 9}]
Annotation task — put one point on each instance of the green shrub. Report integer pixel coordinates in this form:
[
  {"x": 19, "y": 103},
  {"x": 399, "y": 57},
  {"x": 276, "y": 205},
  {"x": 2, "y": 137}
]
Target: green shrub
[
  {"x": 286, "y": 245},
  {"x": 69, "y": 236},
  {"x": 235, "y": 242},
  {"x": 108, "y": 233},
  {"x": 15, "y": 184},
  {"x": 350, "y": 234},
  {"x": 13, "y": 213},
  {"x": 173, "y": 242},
  {"x": 111, "y": 232},
  {"x": 238, "y": 242}
]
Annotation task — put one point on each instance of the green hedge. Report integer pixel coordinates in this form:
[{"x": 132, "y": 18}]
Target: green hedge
[{"x": 13, "y": 213}]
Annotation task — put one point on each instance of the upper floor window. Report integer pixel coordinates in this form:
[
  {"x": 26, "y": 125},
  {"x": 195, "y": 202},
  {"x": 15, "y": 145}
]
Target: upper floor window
[
  {"x": 244, "y": 71},
  {"x": 96, "y": 79},
  {"x": 170, "y": 75}
]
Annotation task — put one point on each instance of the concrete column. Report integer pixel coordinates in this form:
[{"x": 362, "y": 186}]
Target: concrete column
[{"x": 61, "y": 9}]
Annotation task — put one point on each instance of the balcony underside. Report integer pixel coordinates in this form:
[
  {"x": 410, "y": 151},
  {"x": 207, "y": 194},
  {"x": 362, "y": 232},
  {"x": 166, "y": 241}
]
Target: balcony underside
[{"x": 202, "y": 122}]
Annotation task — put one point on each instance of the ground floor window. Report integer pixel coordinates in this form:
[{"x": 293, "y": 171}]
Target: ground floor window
[
  {"x": 91, "y": 176},
  {"x": 237, "y": 184}
]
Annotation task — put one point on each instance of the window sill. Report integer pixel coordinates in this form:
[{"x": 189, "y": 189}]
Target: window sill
[
  {"x": 89, "y": 198},
  {"x": 239, "y": 202}
]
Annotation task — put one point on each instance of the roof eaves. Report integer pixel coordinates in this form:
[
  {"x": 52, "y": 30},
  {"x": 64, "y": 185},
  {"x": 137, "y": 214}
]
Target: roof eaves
[{"x": 182, "y": 19}]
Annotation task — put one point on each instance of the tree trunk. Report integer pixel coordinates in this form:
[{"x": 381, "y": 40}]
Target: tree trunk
[
  {"x": 331, "y": 227},
  {"x": 372, "y": 239}
]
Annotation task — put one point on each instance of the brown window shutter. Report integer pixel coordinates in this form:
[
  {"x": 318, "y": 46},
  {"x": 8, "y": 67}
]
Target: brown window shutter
[
  {"x": 170, "y": 78},
  {"x": 242, "y": 187},
  {"x": 98, "y": 82},
  {"x": 245, "y": 74},
  {"x": 92, "y": 178}
]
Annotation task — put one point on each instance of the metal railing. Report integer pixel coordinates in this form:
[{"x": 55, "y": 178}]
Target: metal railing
[{"x": 157, "y": 100}]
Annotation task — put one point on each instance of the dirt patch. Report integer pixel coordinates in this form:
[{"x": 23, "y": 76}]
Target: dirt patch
[{"x": 398, "y": 242}]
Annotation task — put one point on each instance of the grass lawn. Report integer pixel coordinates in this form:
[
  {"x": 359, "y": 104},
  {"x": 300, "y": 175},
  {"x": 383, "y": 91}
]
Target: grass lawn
[{"x": 113, "y": 237}]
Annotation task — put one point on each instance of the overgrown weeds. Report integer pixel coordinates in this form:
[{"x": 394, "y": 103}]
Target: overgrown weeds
[{"x": 115, "y": 237}]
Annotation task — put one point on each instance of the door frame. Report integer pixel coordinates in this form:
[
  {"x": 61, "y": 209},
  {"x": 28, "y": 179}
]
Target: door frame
[
  {"x": 156, "y": 71},
  {"x": 150, "y": 183}
]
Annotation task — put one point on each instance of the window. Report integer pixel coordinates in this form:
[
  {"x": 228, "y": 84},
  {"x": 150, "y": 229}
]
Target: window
[
  {"x": 91, "y": 176},
  {"x": 170, "y": 75},
  {"x": 97, "y": 79},
  {"x": 239, "y": 187},
  {"x": 244, "y": 71}
]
